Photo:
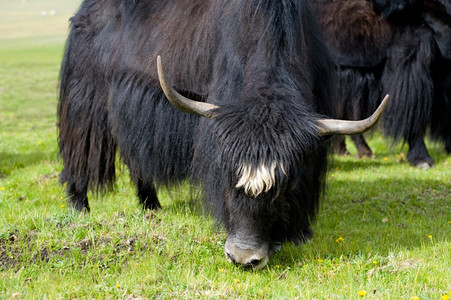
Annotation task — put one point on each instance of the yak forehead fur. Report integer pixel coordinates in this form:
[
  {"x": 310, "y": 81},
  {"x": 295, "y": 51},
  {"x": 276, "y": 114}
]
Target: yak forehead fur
[{"x": 262, "y": 141}]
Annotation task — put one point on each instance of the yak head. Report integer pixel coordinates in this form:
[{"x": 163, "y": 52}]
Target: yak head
[{"x": 269, "y": 166}]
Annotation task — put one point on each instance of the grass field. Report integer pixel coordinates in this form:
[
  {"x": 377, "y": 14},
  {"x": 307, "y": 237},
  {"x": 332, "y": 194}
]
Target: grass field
[{"x": 383, "y": 231}]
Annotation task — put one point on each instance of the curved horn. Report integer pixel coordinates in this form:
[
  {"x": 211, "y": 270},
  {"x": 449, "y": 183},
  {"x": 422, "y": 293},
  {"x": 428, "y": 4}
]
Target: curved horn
[
  {"x": 334, "y": 126},
  {"x": 184, "y": 104}
]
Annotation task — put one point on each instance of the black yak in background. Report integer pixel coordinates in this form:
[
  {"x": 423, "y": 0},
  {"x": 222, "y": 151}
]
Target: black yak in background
[
  {"x": 254, "y": 85},
  {"x": 402, "y": 47}
]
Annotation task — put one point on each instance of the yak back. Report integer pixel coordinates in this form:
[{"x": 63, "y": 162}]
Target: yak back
[
  {"x": 355, "y": 35},
  {"x": 214, "y": 49},
  {"x": 438, "y": 18}
]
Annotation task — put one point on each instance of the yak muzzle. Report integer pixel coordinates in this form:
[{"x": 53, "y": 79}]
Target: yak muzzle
[{"x": 246, "y": 254}]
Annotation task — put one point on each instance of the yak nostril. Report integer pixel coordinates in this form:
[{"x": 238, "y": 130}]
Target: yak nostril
[
  {"x": 231, "y": 258},
  {"x": 246, "y": 254},
  {"x": 254, "y": 262}
]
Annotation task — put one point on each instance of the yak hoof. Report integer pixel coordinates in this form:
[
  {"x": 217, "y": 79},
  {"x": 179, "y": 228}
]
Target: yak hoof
[
  {"x": 80, "y": 204},
  {"x": 422, "y": 161},
  {"x": 365, "y": 154},
  {"x": 423, "y": 165},
  {"x": 341, "y": 151},
  {"x": 80, "y": 209}
]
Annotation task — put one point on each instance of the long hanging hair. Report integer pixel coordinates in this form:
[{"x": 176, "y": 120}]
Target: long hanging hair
[{"x": 262, "y": 61}]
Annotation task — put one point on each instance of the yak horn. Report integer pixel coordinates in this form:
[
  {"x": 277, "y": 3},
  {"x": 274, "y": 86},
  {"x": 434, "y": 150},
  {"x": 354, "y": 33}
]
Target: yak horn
[
  {"x": 182, "y": 103},
  {"x": 333, "y": 126}
]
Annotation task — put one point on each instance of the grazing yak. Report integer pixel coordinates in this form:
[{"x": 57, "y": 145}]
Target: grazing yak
[
  {"x": 399, "y": 46},
  {"x": 246, "y": 117}
]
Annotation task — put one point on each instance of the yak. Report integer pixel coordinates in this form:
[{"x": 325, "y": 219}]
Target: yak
[
  {"x": 399, "y": 46},
  {"x": 248, "y": 116}
]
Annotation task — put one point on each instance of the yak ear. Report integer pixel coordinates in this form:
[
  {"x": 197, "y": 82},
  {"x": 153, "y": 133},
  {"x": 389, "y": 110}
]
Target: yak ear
[
  {"x": 333, "y": 126},
  {"x": 182, "y": 103}
]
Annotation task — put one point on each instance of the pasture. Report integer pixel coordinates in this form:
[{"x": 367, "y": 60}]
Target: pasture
[{"x": 383, "y": 230}]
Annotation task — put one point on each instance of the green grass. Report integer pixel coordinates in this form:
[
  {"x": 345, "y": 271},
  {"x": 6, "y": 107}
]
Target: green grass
[{"x": 384, "y": 227}]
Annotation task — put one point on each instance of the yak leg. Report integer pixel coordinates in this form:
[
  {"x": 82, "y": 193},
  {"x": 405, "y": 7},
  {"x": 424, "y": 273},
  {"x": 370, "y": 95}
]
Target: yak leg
[
  {"x": 147, "y": 194},
  {"x": 78, "y": 197},
  {"x": 359, "y": 141},
  {"x": 340, "y": 145},
  {"x": 306, "y": 233},
  {"x": 448, "y": 145},
  {"x": 418, "y": 155},
  {"x": 361, "y": 145}
]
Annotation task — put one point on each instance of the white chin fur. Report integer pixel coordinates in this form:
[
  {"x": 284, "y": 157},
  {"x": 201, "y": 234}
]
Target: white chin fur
[{"x": 255, "y": 181}]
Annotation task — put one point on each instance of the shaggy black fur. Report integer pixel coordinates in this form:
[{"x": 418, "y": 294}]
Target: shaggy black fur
[
  {"x": 407, "y": 77},
  {"x": 399, "y": 47},
  {"x": 261, "y": 61},
  {"x": 398, "y": 11},
  {"x": 438, "y": 18},
  {"x": 358, "y": 40}
]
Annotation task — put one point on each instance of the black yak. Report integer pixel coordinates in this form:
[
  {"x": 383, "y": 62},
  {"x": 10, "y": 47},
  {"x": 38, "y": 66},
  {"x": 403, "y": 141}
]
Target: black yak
[
  {"x": 399, "y": 46},
  {"x": 249, "y": 127}
]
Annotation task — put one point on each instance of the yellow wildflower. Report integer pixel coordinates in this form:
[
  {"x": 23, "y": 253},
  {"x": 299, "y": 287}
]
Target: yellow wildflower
[
  {"x": 2, "y": 188},
  {"x": 118, "y": 286},
  {"x": 374, "y": 262},
  {"x": 340, "y": 240},
  {"x": 319, "y": 260},
  {"x": 444, "y": 297},
  {"x": 62, "y": 205},
  {"x": 237, "y": 280},
  {"x": 361, "y": 293},
  {"x": 415, "y": 298},
  {"x": 221, "y": 269}
]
